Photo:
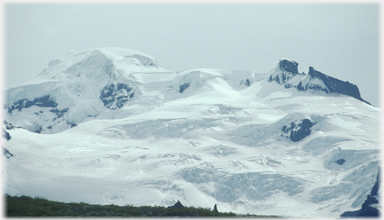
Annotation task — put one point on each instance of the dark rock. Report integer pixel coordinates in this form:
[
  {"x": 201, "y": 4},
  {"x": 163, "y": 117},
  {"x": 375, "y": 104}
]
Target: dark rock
[
  {"x": 297, "y": 131},
  {"x": 115, "y": 96},
  {"x": 107, "y": 92},
  {"x": 288, "y": 71},
  {"x": 38, "y": 129},
  {"x": 6, "y": 135},
  {"x": 287, "y": 86},
  {"x": 59, "y": 113},
  {"x": 7, "y": 153},
  {"x": 177, "y": 205},
  {"x": 289, "y": 66},
  {"x": 122, "y": 86},
  {"x": 44, "y": 101},
  {"x": 340, "y": 162},
  {"x": 311, "y": 81},
  {"x": 276, "y": 78},
  {"x": 247, "y": 82},
  {"x": 8, "y": 126},
  {"x": 300, "y": 87},
  {"x": 367, "y": 210},
  {"x": 332, "y": 85},
  {"x": 183, "y": 87}
]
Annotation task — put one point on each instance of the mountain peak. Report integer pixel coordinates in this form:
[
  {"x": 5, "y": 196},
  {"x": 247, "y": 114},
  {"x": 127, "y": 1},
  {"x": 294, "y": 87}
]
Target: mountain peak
[
  {"x": 286, "y": 74},
  {"x": 110, "y": 82},
  {"x": 110, "y": 52},
  {"x": 288, "y": 65},
  {"x": 285, "y": 71},
  {"x": 102, "y": 59},
  {"x": 331, "y": 85}
]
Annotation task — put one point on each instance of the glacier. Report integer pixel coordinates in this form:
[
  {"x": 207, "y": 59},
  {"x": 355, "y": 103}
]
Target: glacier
[{"x": 110, "y": 125}]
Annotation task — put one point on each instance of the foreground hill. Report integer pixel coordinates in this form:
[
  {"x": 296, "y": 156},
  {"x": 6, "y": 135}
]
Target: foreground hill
[
  {"x": 25, "y": 206},
  {"x": 112, "y": 126}
]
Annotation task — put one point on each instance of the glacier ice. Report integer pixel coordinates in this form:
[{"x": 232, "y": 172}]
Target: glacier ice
[{"x": 112, "y": 126}]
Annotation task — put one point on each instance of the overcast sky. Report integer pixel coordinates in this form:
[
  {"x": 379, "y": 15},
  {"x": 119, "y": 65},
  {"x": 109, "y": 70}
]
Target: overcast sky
[{"x": 340, "y": 40}]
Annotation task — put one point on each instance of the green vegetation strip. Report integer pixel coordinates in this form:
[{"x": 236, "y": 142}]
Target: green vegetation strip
[{"x": 25, "y": 206}]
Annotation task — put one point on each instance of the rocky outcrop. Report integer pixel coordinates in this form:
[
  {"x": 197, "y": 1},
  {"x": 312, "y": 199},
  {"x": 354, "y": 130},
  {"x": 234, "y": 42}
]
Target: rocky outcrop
[
  {"x": 368, "y": 208},
  {"x": 288, "y": 66},
  {"x": 44, "y": 101},
  {"x": 246, "y": 82},
  {"x": 286, "y": 70},
  {"x": 286, "y": 74},
  {"x": 44, "y": 109},
  {"x": 7, "y": 137},
  {"x": 328, "y": 84},
  {"x": 340, "y": 161},
  {"x": 116, "y": 95},
  {"x": 7, "y": 153},
  {"x": 298, "y": 130},
  {"x": 183, "y": 87},
  {"x": 8, "y": 126}
]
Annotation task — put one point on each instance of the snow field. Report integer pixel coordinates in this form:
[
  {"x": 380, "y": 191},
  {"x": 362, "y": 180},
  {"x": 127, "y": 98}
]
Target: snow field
[{"x": 220, "y": 141}]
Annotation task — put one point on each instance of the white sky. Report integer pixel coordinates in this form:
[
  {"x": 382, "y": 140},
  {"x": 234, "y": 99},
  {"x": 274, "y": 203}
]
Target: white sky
[{"x": 340, "y": 40}]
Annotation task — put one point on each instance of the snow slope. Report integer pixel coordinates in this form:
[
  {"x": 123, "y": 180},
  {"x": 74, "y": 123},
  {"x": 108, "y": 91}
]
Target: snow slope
[{"x": 112, "y": 126}]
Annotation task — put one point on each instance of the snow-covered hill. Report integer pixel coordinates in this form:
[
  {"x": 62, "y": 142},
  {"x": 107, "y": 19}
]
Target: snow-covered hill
[{"x": 111, "y": 125}]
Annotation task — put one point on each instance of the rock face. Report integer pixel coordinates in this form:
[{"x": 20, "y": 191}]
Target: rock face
[
  {"x": 298, "y": 130},
  {"x": 328, "y": 84},
  {"x": 42, "y": 107},
  {"x": 370, "y": 206},
  {"x": 247, "y": 82},
  {"x": 7, "y": 153},
  {"x": 288, "y": 66},
  {"x": 183, "y": 87},
  {"x": 286, "y": 74},
  {"x": 286, "y": 70},
  {"x": 7, "y": 137},
  {"x": 340, "y": 161},
  {"x": 44, "y": 101},
  {"x": 116, "y": 95}
]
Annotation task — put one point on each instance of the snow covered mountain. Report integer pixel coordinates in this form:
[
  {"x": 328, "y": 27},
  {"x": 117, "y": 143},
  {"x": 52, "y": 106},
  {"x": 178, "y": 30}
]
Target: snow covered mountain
[{"x": 111, "y": 125}]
